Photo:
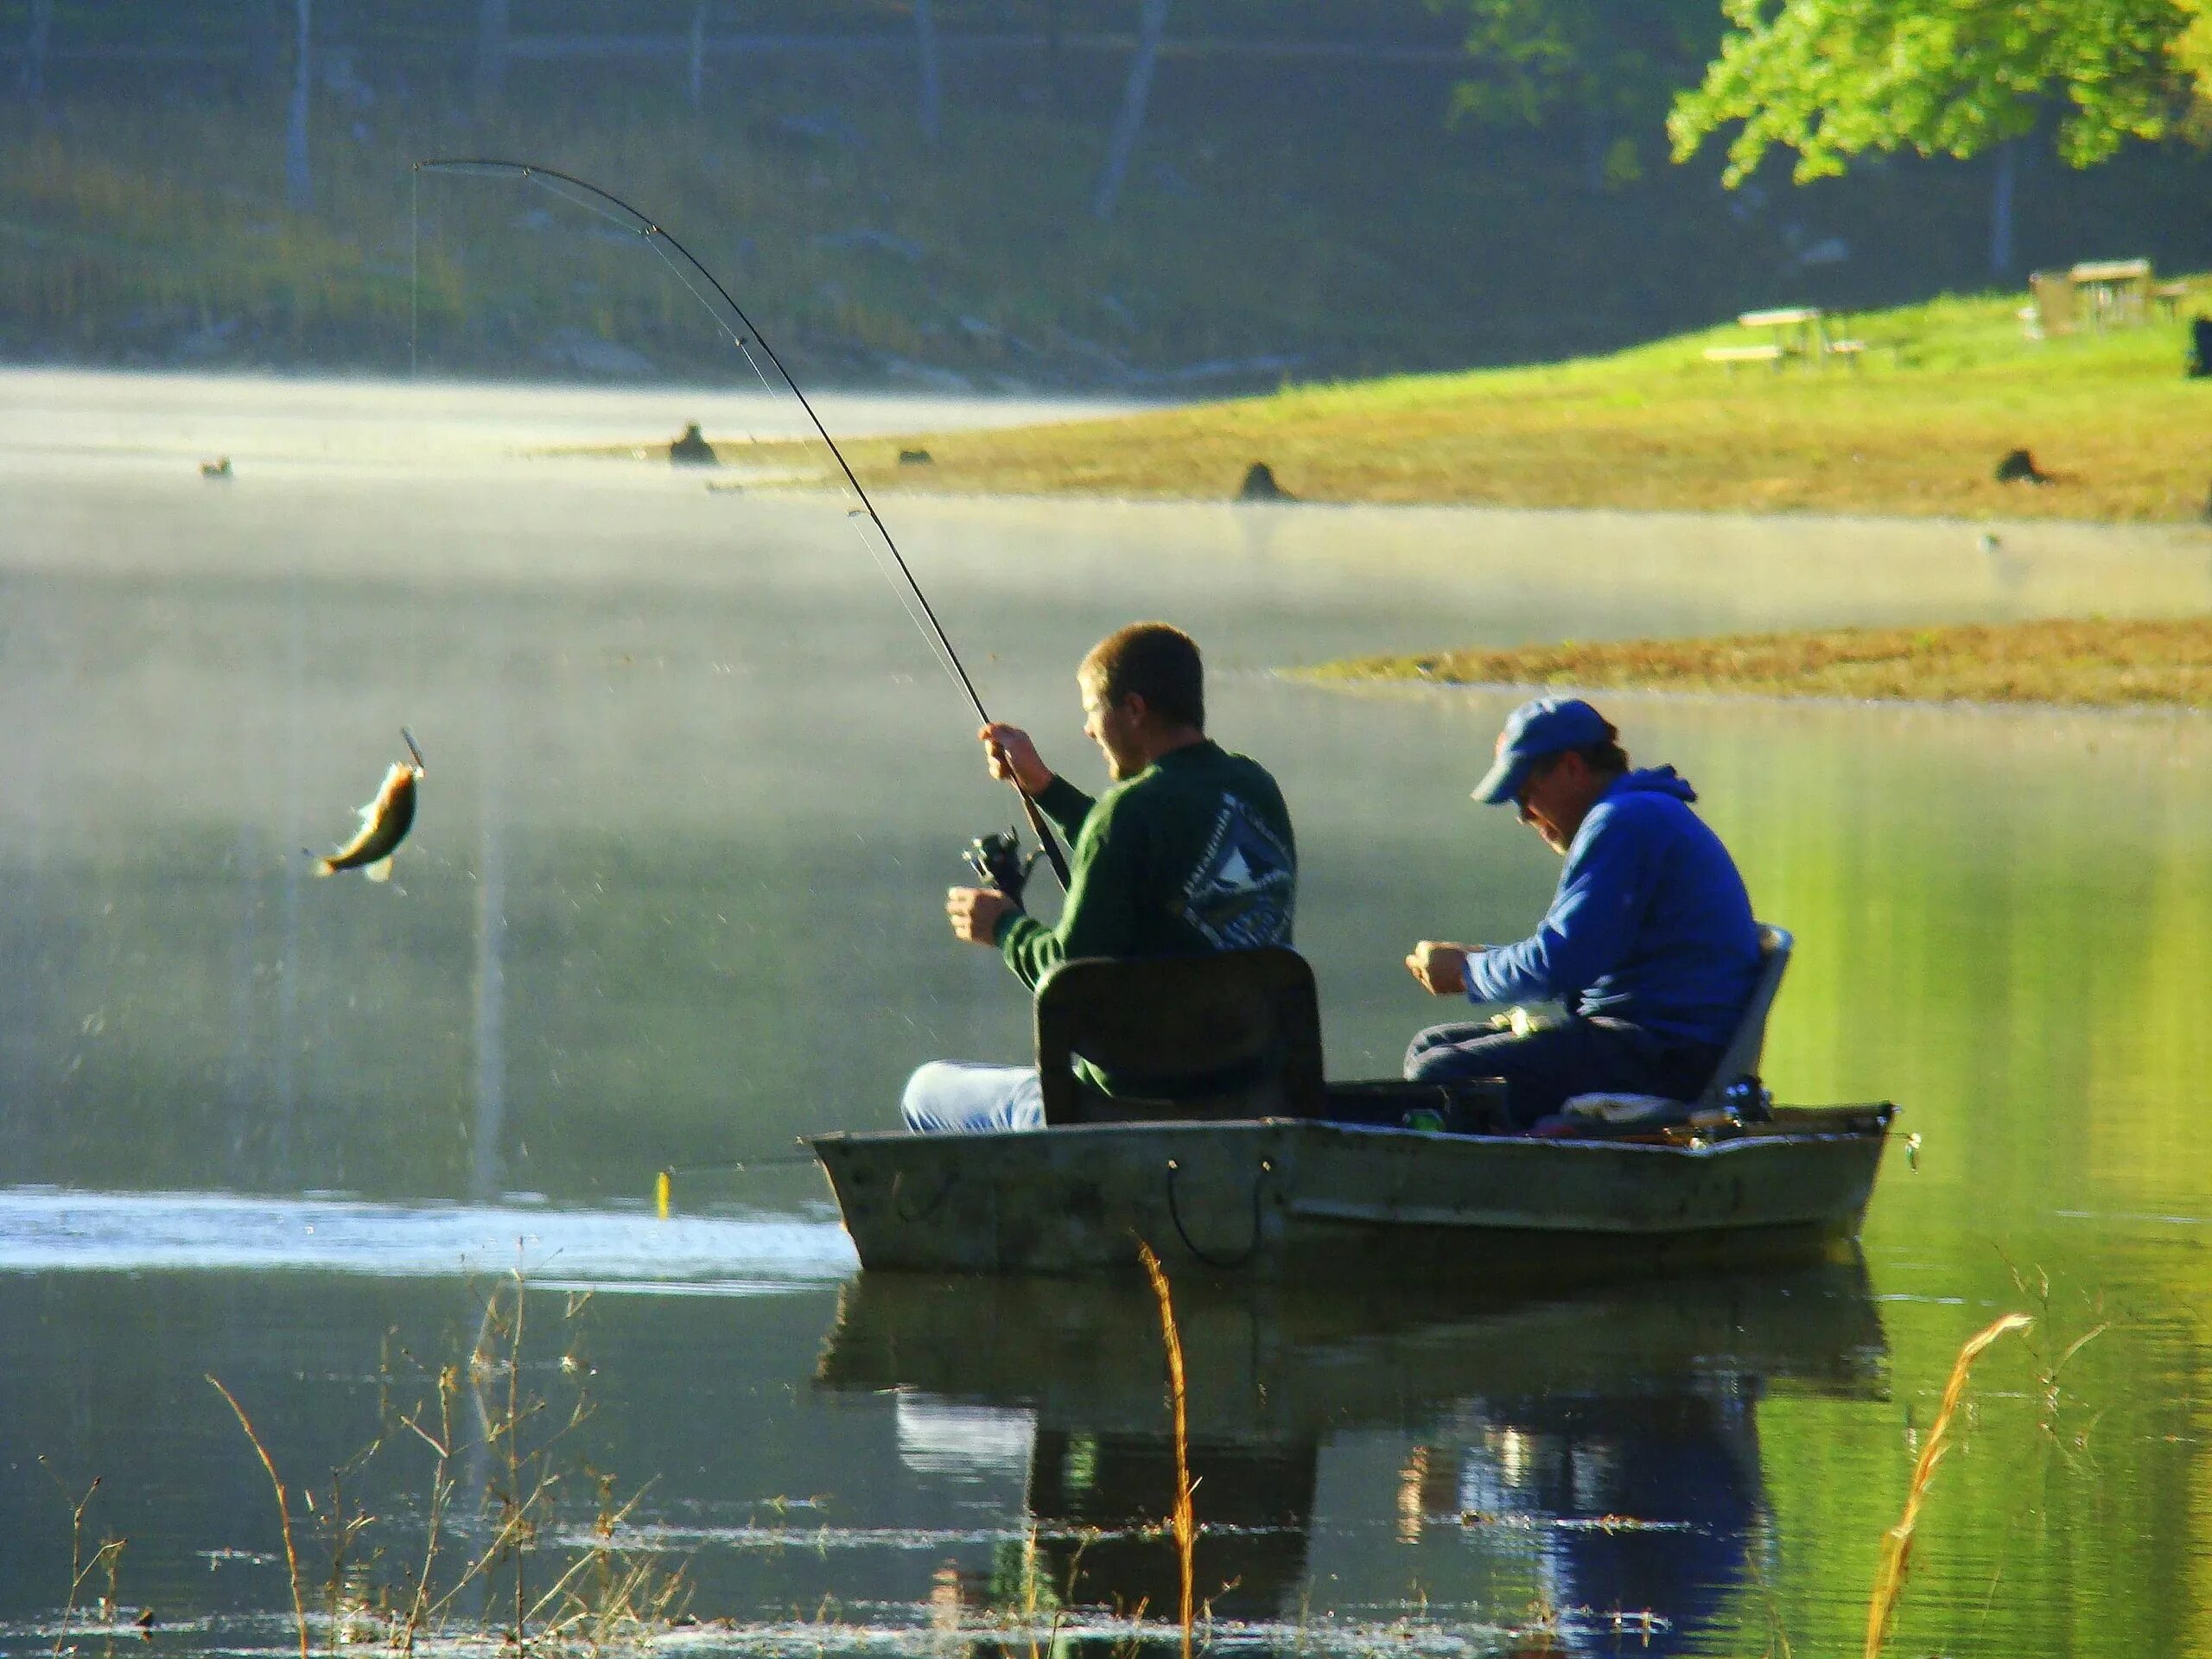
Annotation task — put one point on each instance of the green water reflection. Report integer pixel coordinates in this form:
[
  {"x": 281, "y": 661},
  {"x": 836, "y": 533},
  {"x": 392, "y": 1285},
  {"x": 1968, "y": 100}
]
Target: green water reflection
[{"x": 693, "y": 787}]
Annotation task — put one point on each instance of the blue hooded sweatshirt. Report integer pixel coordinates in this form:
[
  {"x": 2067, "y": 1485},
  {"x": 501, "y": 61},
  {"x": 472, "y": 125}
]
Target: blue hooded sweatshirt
[{"x": 1650, "y": 924}]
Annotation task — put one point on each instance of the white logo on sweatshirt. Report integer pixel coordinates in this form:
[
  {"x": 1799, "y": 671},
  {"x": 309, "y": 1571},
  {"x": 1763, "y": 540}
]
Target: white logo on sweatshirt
[{"x": 1240, "y": 895}]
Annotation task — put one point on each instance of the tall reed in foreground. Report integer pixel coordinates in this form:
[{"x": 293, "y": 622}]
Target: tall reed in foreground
[
  {"x": 283, "y": 1512},
  {"x": 1184, "y": 1522},
  {"x": 1896, "y": 1542}
]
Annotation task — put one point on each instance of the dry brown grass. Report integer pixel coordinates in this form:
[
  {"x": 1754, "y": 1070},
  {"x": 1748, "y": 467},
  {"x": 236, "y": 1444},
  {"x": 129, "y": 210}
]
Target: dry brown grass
[
  {"x": 1896, "y": 1542},
  {"x": 1184, "y": 1523},
  {"x": 283, "y": 1512},
  {"x": 2092, "y": 663}
]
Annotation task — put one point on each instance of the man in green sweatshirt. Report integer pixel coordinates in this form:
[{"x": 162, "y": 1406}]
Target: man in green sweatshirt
[{"x": 1190, "y": 852}]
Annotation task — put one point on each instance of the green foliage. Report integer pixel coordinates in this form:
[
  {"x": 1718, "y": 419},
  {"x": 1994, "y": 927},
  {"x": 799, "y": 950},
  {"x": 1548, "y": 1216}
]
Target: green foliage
[
  {"x": 1831, "y": 79},
  {"x": 2192, "y": 50},
  {"x": 1613, "y": 57}
]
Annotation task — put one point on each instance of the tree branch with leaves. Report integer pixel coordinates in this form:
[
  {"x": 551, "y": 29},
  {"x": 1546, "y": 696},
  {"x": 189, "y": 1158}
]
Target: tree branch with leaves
[{"x": 1833, "y": 79}]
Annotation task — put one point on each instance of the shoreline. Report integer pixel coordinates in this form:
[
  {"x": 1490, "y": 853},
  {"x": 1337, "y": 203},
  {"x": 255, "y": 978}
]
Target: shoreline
[
  {"x": 1523, "y": 689},
  {"x": 885, "y": 484},
  {"x": 2150, "y": 666}
]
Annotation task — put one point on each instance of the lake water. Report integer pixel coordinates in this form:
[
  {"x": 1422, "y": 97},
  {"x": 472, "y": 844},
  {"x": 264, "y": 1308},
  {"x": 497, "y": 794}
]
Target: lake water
[{"x": 694, "y": 788}]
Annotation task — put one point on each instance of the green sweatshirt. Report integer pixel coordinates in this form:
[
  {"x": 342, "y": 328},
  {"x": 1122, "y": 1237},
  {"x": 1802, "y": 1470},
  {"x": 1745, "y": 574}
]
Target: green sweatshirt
[{"x": 1191, "y": 855}]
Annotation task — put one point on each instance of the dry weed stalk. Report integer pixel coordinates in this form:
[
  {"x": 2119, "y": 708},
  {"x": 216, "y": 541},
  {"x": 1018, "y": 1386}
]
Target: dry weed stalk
[
  {"x": 108, "y": 1556},
  {"x": 1184, "y": 1522},
  {"x": 283, "y": 1511},
  {"x": 441, "y": 1485},
  {"x": 605, "y": 1597},
  {"x": 1896, "y": 1542},
  {"x": 524, "y": 1500}
]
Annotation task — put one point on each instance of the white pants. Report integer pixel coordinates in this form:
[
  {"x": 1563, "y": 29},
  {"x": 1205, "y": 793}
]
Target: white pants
[{"x": 968, "y": 1097}]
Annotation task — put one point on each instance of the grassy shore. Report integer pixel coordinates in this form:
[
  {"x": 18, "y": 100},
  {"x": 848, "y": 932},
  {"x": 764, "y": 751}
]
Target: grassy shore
[
  {"x": 2093, "y": 664},
  {"x": 1941, "y": 392}
]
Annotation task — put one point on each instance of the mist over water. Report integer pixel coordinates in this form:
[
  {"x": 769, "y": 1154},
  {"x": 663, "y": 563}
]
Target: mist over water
[{"x": 695, "y": 787}]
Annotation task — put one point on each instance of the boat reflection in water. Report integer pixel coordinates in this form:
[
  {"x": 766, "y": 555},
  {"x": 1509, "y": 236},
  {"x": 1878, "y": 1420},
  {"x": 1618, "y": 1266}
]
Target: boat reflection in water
[{"x": 1596, "y": 1456}]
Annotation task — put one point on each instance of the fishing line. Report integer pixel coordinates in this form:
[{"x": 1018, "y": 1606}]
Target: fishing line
[
  {"x": 637, "y": 223},
  {"x": 858, "y": 521},
  {"x": 737, "y": 1165}
]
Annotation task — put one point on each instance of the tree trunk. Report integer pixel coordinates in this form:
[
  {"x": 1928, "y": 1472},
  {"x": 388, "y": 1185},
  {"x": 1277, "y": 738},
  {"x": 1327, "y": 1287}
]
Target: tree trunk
[
  {"x": 932, "y": 111},
  {"x": 2001, "y": 191},
  {"x": 1055, "y": 58},
  {"x": 698, "y": 53},
  {"x": 265, "y": 53},
  {"x": 32, "y": 81},
  {"x": 1122, "y": 145},
  {"x": 491, "y": 53},
  {"x": 299, "y": 182},
  {"x": 1597, "y": 141}
]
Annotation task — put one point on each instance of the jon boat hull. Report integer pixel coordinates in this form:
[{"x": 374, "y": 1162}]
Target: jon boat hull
[{"x": 1287, "y": 1198}]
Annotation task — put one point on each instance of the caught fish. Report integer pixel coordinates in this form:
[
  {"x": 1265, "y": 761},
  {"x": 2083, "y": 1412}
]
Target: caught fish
[{"x": 384, "y": 823}]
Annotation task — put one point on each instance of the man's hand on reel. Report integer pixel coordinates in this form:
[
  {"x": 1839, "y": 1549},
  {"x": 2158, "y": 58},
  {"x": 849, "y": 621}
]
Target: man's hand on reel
[{"x": 976, "y": 914}]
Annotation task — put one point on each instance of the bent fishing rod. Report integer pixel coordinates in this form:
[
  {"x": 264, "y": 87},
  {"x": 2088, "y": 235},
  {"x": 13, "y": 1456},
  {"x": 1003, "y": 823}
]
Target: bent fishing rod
[{"x": 657, "y": 239}]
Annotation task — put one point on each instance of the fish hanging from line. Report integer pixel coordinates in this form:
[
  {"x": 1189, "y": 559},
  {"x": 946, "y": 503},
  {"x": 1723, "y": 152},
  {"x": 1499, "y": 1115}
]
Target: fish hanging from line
[{"x": 384, "y": 822}]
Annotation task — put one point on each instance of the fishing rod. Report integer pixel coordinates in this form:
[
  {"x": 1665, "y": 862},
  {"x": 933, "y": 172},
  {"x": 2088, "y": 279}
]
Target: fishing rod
[{"x": 656, "y": 237}]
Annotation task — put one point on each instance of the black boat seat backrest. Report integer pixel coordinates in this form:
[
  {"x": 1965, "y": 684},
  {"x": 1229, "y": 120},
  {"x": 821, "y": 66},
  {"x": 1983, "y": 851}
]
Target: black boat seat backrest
[
  {"x": 1237, "y": 1034},
  {"x": 1741, "y": 1057}
]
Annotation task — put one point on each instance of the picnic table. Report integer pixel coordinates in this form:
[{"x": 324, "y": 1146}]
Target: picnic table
[
  {"x": 1804, "y": 332},
  {"x": 2104, "y": 292},
  {"x": 2118, "y": 291}
]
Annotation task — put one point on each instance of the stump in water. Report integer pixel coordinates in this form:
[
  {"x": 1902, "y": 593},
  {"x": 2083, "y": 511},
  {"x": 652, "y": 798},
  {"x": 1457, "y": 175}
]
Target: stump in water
[
  {"x": 2019, "y": 467},
  {"x": 1259, "y": 485},
  {"x": 691, "y": 449},
  {"x": 915, "y": 458}
]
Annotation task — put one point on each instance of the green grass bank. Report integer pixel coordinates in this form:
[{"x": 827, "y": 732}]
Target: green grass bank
[
  {"x": 1942, "y": 391},
  {"x": 2094, "y": 663}
]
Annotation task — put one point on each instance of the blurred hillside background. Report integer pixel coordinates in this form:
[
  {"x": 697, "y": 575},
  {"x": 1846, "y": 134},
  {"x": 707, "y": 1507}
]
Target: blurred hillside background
[{"x": 1155, "y": 197}]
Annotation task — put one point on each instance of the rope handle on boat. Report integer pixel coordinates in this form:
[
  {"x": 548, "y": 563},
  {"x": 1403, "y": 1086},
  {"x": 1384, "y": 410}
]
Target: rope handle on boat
[
  {"x": 1175, "y": 1215},
  {"x": 951, "y": 1175}
]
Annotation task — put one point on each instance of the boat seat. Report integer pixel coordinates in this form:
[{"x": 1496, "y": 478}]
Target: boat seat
[
  {"x": 1233, "y": 1035},
  {"x": 1738, "y": 1061}
]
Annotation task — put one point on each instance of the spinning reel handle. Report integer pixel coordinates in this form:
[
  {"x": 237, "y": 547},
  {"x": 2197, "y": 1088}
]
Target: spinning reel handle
[{"x": 998, "y": 863}]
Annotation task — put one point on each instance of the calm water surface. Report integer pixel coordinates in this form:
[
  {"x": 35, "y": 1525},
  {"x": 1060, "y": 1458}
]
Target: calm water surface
[{"x": 695, "y": 787}]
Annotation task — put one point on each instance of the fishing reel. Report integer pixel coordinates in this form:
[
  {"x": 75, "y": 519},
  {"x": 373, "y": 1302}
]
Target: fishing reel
[{"x": 998, "y": 863}]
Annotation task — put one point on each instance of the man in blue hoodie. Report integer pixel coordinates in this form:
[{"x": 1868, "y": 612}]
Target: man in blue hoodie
[{"x": 1648, "y": 943}]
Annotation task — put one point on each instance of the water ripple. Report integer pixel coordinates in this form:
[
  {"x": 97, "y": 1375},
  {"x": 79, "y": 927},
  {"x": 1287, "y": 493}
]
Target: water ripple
[{"x": 48, "y": 1231}]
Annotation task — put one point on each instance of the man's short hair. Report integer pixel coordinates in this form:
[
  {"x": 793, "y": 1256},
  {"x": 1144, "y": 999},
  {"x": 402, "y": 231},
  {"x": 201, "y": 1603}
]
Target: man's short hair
[
  {"x": 1152, "y": 661},
  {"x": 1606, "y": 757}
]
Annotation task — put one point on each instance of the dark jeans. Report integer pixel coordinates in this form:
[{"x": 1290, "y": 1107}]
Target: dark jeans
[{"x": 1546, "y": 1068}]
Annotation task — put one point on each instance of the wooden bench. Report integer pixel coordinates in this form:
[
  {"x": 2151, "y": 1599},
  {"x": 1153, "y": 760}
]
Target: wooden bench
[
  {"x": 1731, "y": 355},
  {"x": 1799, "y": 331}
]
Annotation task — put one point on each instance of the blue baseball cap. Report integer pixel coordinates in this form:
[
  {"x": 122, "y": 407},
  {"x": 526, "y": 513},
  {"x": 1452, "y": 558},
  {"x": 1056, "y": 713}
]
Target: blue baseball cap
[{"x": 1536, "y": 729}]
